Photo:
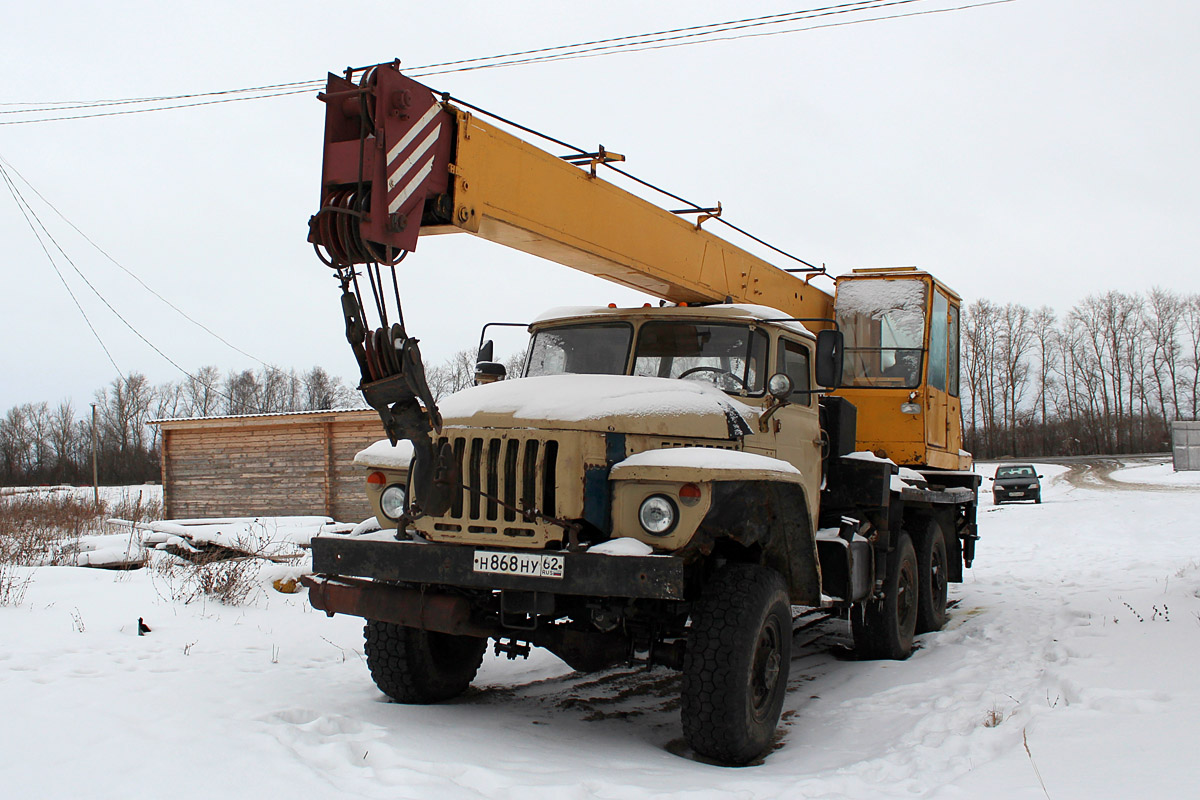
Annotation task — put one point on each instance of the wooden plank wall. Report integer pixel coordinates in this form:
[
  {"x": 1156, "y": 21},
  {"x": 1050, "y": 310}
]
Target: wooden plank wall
[{"x": 255, "y": 466}]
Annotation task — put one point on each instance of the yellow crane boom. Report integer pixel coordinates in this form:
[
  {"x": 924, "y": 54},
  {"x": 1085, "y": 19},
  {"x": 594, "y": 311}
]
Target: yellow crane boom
[{"x": 478, "y": 178}]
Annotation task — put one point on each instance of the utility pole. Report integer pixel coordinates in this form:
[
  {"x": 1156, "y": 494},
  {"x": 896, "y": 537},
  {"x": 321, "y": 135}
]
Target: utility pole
[{"x": 95, "y": 470}]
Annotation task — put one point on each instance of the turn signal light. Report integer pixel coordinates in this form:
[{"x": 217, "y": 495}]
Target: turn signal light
[{"x": 376, "y": 479}]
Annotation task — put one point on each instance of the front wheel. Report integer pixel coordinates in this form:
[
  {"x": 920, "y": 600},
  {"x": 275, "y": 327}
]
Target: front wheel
[
  {"x": 884, "y": 628},
  {"x": 411, "y": 665},
  {"x": 735, "y": 669}
]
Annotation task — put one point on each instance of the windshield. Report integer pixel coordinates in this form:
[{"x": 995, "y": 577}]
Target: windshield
[
  {"x": 1014, "y": 472},
  {"x": 595, "y": 349},
  {"x": 884, "y": 325},
  {"x": 731, "y": 357}
]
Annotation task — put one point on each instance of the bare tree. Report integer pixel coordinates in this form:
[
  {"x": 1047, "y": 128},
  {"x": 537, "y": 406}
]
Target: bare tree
[
  {"x": 242, "y": 393},
  {"x": 1163, "y": 318},
  {"x": 322, "y": 390},
  {"x": 63, "y": 440},
  {"x": 1191, "y": 346},
  {"x": 452, "y": 375},
  {"x": 202, "y": 392},
  {"x": 14, "y": 443},
  {"x": 1015, "y": 343},
  {"x": 1045, "y": 338}
]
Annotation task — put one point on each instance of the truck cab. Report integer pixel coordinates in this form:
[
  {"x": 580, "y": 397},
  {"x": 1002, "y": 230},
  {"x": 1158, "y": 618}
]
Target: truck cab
[{"x": 602, "y": 384}]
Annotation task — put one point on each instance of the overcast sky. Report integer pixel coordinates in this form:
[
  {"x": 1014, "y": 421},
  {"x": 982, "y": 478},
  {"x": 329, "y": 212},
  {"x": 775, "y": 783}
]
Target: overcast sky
[{"x": 1035, "y": 151}]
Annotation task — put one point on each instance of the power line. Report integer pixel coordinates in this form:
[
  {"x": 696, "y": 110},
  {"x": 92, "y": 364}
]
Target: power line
[
  {"x": 96, "y": 291},
  {"x": 630, "y": 37},
  {"x": 697, "y": 36},
  {"x": 28, "y": 211},
  {"x": 21, "y": 205},
  {"x": 654, "y": 46},
  {"x": 130, "y": 273},
  {"x": 161, "y": 108},
  {"x": 67, "y": 105},
  {"x": 677, "y": 37}
]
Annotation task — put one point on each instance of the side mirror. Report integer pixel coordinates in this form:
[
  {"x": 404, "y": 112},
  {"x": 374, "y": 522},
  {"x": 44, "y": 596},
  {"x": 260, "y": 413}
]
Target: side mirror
[
  {"x": 1039, "y": 476},
  {"x": 830, "y": 344},
  {"x": 485, "y": 352}
]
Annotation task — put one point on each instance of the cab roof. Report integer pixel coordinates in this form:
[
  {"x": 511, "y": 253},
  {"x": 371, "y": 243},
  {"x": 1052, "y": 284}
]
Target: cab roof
[{"x": 719, "y": 312}]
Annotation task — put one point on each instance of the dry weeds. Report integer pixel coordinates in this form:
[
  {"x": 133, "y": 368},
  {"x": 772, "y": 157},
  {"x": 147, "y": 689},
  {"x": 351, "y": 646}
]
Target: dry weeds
[{"x": 37, "y": 523}]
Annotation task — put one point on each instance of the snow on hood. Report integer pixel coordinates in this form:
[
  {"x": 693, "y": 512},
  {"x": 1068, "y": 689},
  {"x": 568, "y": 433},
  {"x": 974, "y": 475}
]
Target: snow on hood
[
  {"x": 623, "y": 403},
  {"x": 705, "y": 458}
]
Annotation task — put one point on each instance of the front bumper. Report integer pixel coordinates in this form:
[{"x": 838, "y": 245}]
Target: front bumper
[{"x": 382, "y": 558}]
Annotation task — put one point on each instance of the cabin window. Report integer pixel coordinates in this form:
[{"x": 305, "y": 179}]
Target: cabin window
[
  {"x": 593, "y": 349},
  {"x": 793, "y": 361},
  {"x": 952, "y": 353},
  {"x": 731, "y": 357},
  {"x": 884, "y": 326},
  {"x": 938, "y": 334}
]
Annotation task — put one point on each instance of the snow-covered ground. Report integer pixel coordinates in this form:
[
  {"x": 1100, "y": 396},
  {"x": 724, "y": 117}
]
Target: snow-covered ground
[
  {"x": 1071, "y": 655},
  {"x": 1160, "y": 474}
]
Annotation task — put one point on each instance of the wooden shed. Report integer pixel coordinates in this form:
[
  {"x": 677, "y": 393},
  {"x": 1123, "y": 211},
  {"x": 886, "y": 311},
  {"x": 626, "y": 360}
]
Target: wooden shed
[{"x": 299, "y": 463}]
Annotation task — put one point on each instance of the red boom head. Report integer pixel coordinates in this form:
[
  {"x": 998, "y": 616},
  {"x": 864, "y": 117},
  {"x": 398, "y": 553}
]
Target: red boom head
[{"x": 387, "y": 152}]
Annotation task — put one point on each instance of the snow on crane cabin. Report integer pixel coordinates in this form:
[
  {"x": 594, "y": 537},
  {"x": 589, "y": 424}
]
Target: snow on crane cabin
[{"x": 1066, "y": 671}]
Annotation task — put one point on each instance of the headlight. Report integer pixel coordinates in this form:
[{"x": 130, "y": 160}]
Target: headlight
[
  {"x": 658, "y": 515},
  {"x": 391, "y": 502}
]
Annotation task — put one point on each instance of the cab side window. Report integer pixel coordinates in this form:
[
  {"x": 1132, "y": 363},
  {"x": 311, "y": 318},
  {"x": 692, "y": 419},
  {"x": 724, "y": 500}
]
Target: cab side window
[{"x": 793, "y": 360}]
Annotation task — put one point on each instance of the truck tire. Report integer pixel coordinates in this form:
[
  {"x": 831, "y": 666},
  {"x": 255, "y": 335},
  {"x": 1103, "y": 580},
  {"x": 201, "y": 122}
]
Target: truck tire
[
  {"x": 411, "y": 665},
  {"x": 934, "y": 580},
  {"x": 884, "y": 628},
  {"x": 735, "y": 669}
]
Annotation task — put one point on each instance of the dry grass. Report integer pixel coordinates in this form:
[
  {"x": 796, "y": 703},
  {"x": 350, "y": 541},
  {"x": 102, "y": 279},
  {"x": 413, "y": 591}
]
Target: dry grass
[
  {"x": 995, "y": 716},
  {"x": 233, "y": 582},
  {"x": 32, "y": 522},
  {"x": 36, "y": 523}
]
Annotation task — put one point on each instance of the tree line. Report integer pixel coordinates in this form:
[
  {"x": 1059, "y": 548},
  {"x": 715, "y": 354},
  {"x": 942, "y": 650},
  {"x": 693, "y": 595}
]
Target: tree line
[
  {"x": 40, "y": 444},
  {"x": 1108, "y": 376}
]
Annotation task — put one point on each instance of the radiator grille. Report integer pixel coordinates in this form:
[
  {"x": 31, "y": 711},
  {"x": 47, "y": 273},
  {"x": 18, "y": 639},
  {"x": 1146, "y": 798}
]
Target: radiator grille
[{"x": 521, "y": 473}]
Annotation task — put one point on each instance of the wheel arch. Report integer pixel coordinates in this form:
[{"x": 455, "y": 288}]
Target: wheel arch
[{"x": 767, "y": 523}]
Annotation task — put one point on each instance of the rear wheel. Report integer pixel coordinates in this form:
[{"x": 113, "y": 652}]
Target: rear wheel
[
  {"x": 885, "y": 628},
  {"x": 933, "y": 573},
  {"x": 411, "y": 665},
  {"x": 735, "y": 669}
]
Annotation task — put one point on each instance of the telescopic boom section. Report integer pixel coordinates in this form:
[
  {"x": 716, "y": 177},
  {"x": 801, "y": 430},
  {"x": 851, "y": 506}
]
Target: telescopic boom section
[{"x": 401, "y": 162}]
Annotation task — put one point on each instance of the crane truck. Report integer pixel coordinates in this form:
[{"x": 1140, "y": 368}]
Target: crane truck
[{"x": 659, "y": 484}]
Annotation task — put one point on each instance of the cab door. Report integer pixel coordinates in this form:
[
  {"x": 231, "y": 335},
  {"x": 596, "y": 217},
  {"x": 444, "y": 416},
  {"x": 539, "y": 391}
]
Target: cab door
[{"x": 796, "y": 427}]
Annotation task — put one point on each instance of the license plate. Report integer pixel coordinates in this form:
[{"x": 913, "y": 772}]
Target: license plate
[
  {"x": 529, "y": 566},
  {"x": 1016, "y": 494}
]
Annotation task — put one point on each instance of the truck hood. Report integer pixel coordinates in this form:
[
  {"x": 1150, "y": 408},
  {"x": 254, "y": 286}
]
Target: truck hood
[{"x": 619, "y": 403}]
